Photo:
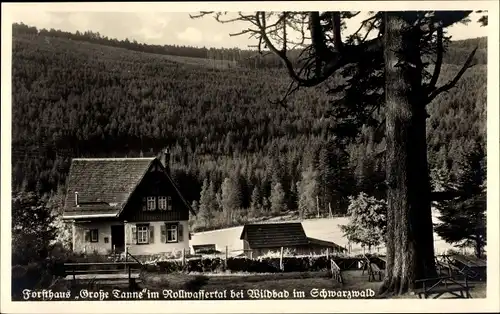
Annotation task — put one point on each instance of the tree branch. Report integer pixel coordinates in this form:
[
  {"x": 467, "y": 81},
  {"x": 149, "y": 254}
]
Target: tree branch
[
  {"x": 282, "y": 100},
  {"x": 363, "y": 24},
  {"x": 454, "y": 81},
  {"x": 439, "y": 60},
  {"x": 329, "y": 60}
]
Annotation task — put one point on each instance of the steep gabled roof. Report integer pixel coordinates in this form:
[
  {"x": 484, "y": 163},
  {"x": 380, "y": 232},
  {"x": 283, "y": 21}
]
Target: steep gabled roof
[
  {"x": 104, "y": 185},
  {"x": 274, "y": 235}
]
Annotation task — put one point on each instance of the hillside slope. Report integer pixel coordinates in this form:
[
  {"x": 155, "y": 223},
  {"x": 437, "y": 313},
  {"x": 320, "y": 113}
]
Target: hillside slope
[{"x": 73, "y": 98}]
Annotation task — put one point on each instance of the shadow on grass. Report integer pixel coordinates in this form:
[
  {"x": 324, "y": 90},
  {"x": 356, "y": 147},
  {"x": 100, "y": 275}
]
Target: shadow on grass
[
  {"x": 194, "y": 282},
  {"x": 174, "y": 281}
]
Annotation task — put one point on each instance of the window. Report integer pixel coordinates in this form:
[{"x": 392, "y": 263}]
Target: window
[
  {"x": 94, "y": 235},
  {"x": 162, "y": 202},
  {"x": 169, "y": 203},
  {"x": 151, "y": 203},
  {"x": 172, "y": 230},
  {"x": 142, "y": 234}
]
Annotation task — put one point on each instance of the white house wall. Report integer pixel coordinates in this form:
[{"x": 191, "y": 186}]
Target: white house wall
[
  {"x": 104, "y": 230},
  {"x": 157, "y": 247}
]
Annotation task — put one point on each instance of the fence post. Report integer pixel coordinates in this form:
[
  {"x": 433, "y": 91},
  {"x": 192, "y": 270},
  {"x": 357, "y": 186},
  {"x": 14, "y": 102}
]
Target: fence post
[
  {"x": 317, "y": 205},
  {"x": 184, "y": 257},
  {"x": 327, "y": 254},
  {"x": 225, "y": 260},
  {"x": 281, "y": 259}
]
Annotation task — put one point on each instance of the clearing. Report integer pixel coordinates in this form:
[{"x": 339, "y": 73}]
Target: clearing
[{"x": 326, "y": 229}]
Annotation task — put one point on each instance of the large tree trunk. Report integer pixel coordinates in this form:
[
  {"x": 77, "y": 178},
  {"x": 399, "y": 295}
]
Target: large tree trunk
[{"x": 410, "y": 245}]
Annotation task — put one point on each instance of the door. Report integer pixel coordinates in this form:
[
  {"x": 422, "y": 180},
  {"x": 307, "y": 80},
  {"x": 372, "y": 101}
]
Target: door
[{"x": 118, "y": 238}]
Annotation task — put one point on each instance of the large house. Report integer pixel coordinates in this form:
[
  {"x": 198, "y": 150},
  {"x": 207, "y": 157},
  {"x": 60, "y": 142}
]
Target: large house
[
  {"x": 118, "y": 203},
  {"x": 261, "y": 239}
]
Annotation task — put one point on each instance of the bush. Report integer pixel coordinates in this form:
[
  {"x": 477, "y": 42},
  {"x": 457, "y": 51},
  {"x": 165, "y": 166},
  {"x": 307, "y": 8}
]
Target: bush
[{"x": 36, "y": 275}]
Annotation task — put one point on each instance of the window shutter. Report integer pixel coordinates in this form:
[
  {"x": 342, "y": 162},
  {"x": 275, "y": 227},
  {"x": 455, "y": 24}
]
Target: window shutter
[
  {"x": 144, "y": 203},
  {"x": 87, "y": 235},
  {"x": 151, "y": 234},
  {"x": 134, "y": 234},
  {"x": 180, "y": 232},
  {"x": 97, "y": 234},
  {"x": 163, "y": 229}
]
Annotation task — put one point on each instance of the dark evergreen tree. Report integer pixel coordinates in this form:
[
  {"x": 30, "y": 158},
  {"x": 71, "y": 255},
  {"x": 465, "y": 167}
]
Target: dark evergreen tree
[
  {"x": 463, "y": 220},
  {"x": 388, "y": 71}
]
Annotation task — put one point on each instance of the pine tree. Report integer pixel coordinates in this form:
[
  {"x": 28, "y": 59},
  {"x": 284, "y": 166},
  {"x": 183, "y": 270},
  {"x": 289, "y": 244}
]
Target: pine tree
[
  {"x": 341, "y": 178},
  {"x": 207, "y": 205},
  {"x": 230, "y": 199},
  {"x": 326, "y": 178},
  {"x": 255, "y": 204},
  {"x": 463, "y": 220}
]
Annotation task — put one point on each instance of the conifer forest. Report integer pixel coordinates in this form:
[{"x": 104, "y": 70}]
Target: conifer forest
[{"x": 235, "y": 153}]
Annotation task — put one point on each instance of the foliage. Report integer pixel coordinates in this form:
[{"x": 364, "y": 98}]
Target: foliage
[
  {"x": 463, "y": 219},
  {"x": 63, "y": 233},
  {"x": 308, "y": 191},
  {"x": 367, "y": 221},
  {"x": 38, "y": 250},
  {"x": 32, "y": 229},
  {"x": 35, "y": 275}
]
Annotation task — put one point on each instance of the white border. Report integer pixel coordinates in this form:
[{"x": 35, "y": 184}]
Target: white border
[{"x": 296, "y": 306}]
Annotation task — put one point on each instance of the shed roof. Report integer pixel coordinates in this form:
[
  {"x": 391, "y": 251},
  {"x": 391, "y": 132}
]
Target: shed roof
[{"x": 274, "y": 235}]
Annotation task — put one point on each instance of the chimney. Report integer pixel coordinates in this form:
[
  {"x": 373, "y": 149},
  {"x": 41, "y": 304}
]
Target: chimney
[
  {"x": 165, "y": 159},
  {"x": 76, "y": 200}
]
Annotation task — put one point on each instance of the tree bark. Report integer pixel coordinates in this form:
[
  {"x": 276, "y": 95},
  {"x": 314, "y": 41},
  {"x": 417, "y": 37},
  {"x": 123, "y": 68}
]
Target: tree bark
[
  {"x": 409, "y": 239},
  {"x": 479, "y": 246}
]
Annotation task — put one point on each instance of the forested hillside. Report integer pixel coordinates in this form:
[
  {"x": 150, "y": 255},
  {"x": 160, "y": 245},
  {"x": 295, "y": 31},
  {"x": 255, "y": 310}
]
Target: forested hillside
[{"x": 234, "y": 154}]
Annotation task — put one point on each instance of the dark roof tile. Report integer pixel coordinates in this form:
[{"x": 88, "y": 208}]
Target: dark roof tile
[
  {"x": 103, "y": 184},
  {"x": 274, "y": 235}
]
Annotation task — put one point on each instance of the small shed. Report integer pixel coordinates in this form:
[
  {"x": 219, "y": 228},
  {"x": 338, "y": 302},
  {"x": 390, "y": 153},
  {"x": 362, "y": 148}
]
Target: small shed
[{"x": 261, "y": 239}]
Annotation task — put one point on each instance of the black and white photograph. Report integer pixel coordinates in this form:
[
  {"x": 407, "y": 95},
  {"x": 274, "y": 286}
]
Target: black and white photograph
[{"x": 323, "y": 152}]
